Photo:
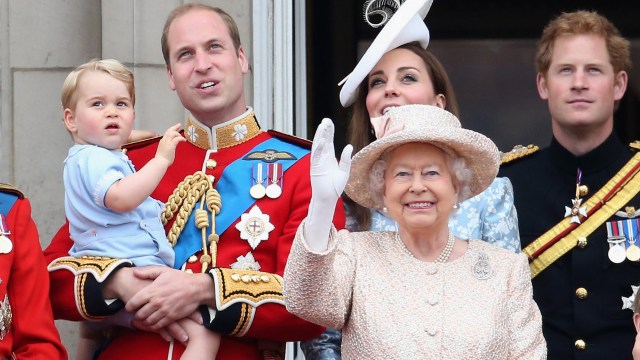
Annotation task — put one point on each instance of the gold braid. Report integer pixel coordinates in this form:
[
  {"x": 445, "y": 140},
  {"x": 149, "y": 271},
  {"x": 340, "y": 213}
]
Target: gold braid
[
  {"x": 214, "y": 203},
  {"x": 187, "y": 193}
]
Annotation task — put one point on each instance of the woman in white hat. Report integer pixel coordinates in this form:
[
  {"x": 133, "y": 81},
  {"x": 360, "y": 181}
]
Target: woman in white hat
[
  {"x": 396, "y": 70},
  {"x": 418, "y": 292}
]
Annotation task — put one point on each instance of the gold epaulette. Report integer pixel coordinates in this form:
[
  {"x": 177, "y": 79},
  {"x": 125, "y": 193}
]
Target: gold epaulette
[
  {"x": 518, "y": 152},
  {"x": 635, "y": 145},
  {"x": 11, "y": 189}
]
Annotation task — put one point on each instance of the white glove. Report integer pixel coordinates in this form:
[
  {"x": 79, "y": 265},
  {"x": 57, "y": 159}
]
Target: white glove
[{"x": 328, "y": 179}]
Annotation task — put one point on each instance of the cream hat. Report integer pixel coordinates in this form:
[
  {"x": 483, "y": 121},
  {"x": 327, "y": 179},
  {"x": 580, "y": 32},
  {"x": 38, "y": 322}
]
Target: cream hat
[
  {"x": 405, "y": 26},
  {"x": 428, "y": 124}
]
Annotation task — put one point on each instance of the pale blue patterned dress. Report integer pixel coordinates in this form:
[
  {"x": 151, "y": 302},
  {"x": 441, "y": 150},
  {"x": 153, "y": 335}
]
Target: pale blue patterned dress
[{"x": 489, "y": 216}]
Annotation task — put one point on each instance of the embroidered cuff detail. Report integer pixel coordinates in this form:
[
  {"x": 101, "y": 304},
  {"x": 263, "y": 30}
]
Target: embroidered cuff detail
[
  {"x": 99, "y": 267},
  {"x": 244, "y": 286}
]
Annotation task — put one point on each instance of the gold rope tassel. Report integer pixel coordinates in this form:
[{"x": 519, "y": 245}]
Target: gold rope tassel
[
  {"x": 198, "y": 186},
  {"x": 214, "y": 204}
]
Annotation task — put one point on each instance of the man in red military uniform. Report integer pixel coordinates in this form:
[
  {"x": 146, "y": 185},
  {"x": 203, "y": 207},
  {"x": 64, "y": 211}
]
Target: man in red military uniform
[
  {"x": 27, "y": 330},
  {"x": 235, "y": 197}
]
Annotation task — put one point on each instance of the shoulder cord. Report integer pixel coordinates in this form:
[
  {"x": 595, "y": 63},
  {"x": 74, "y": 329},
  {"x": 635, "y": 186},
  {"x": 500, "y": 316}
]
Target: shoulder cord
[{"x": 198, "y": 186}]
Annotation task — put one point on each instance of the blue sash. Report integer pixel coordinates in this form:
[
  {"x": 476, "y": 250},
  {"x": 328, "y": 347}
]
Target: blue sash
[
  {"x": 6, "y": 202},
  {"x": 235, "y": 197}
]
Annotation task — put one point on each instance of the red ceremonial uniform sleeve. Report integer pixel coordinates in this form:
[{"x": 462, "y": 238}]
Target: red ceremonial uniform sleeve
[
  {"x": 34, "y": 333},
  {"x": 74, "y": 297},
  {"x": 271, "y": 320}
]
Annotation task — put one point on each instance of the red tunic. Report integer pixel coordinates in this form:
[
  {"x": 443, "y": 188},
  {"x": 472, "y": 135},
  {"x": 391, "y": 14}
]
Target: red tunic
[
  {"x": 247, "y": 327},
  {"x": 24, "y": 286}
]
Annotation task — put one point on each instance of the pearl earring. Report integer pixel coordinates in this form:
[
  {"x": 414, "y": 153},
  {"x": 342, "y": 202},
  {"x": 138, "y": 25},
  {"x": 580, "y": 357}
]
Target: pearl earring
[
  {"x": 455, "y": 206},
  {"x": 384, "y": 209}
]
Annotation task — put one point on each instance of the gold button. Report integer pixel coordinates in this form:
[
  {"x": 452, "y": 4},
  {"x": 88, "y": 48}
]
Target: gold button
[
  {"x": 583, "y": 190},
  {"x": 580, "y": 344},
  {"x": 582, "y": 242},
  {"x": 211, "y": 164},
  {"x": 581, "y": 293}
]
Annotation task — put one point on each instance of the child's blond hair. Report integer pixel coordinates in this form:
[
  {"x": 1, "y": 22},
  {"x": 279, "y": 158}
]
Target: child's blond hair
[{"x": 68, "y": 97}]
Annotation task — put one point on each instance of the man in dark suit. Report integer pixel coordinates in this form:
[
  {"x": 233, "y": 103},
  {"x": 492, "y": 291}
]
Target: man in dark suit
[{"x": 576, "y": 199}]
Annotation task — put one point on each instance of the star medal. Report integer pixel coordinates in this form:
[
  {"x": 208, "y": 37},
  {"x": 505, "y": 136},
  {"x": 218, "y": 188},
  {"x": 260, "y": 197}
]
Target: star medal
[
  {"x": 576, "y": 210},
  {"x": 5, "y": 243},
  {"x": 257, "y": 190},
  {"x": 616, "y": 253},
  {"x": 254, "y": 227},
  {"x": 627, "y": 302},
  {"x": 246, "y": 262},
  {"x": 274, "y": 190}
]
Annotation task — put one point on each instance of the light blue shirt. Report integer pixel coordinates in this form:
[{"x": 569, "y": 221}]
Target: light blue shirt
[{"x": 96, "y": 230}]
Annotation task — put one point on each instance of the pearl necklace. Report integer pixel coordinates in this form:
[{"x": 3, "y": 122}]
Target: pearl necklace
[{"x": 446, "y": 252}]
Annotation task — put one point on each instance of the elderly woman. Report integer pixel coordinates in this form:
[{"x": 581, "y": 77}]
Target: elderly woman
[{"x": 419, "y": 292}]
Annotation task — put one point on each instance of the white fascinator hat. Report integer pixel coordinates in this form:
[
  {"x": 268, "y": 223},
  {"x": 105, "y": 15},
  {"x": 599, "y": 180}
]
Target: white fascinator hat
[{"x": 405, "y": 26}]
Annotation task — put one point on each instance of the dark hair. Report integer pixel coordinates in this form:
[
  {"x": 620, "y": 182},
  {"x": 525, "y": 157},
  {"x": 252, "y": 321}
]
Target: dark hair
[{"x": 360, "y": 133}]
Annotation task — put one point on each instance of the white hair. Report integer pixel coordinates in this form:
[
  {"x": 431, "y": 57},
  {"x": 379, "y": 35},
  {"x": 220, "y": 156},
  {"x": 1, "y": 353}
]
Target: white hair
[{"x": 457, "y": 166}]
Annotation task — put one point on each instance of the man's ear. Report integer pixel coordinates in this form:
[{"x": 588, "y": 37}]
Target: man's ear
[
  {"x": 69, "y": 119},
  {"x": 242, "y": 58},
  {"x": 541, "y": 82},
  {"x": 636, "y": 321},
  {"x": 172, "y": 85},
  {"x": 620, "y": 85}
]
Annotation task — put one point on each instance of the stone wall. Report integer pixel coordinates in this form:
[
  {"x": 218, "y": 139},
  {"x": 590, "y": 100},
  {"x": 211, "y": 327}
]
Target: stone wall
[{"x": 40, "y": 42}]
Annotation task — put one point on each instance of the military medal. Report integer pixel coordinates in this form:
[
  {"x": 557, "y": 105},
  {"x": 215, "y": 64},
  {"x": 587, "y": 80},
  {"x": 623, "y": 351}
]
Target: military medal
[
  {"x": 576, "y": 210},
  {"x": 627, "y": 302},
  {"x": 258, "y": 190},
  {"x": 246, "y": 262},
  {"x": 616, "y": 239},
  {"x": 633, "y": 253},
  {"x": 274, "y": 190},
  {"x": 631, "y": 231},
  {"x": 254, "y": 226},
  {"x": 616, "y": 253},
  {"x": 5, "y": 243}
]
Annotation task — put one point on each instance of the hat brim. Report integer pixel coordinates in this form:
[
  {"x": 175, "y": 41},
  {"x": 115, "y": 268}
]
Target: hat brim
[
  {"x": 405, "y": 26},
  {"x": 480, "y": 154}
]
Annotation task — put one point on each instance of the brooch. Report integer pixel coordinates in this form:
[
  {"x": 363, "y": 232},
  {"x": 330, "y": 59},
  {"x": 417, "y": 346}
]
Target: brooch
[{"x": 481, "y": 268}]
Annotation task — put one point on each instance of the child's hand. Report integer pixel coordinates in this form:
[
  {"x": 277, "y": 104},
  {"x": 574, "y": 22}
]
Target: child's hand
[{"x": 169, "y": 142}]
